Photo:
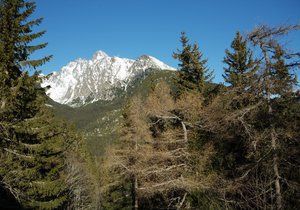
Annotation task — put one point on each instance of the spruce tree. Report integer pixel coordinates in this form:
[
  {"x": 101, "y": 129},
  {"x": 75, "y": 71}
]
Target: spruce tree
[
  {"x": 33, "y": 148},
  {"x": 193, "y": 72},
  {"x": 16, "y": 36},
  {"x": 283, "y": 80},
  {"x": 241, "y": 67},
  {"x": 155, "y": 156},
  {"x": 32, "y": 142}
]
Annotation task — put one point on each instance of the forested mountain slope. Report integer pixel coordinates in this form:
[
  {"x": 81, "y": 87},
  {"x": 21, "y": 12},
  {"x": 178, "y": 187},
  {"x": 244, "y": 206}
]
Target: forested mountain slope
[{"x": 99, "y": 121}]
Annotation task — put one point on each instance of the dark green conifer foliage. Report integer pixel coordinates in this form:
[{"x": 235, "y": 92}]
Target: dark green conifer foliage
[
  {"x": 241, "y": 67},
  {"x": 283, "y": 80},
  {"x": 16, "y": 36},
  {"x": 33, "y": 147},
  {"x": 32, "y": 142},
  {"x": 193, "y": 72}
]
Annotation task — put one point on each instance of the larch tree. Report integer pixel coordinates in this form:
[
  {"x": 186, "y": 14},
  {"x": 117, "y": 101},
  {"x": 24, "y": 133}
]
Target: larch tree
[
  {"x": 156, "y": 156},
  {"x": 179, "y": 168},
  {"x": 122, "y": 162},
  {"x": 277, "y": 84}
]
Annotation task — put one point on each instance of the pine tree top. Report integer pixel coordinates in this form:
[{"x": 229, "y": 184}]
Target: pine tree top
[
  {"x": 240, "y": 63},
  {"x": 193, "y": 72},
  {"x": 15, "y": 37}
]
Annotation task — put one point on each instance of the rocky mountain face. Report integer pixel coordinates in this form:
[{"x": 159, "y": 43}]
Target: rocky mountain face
[{"x": 86, "y": 81}]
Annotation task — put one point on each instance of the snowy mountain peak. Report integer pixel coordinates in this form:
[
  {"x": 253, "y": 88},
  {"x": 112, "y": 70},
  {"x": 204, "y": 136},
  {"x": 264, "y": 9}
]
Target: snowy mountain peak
[
  {"x": 143, "y": 57},
  {"x": 85, "y": 81},
  {"x": 99, "y": 55}
]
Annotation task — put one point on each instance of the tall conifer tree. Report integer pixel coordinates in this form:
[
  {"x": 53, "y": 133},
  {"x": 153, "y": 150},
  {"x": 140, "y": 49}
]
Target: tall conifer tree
[
  {"x": 32, "y": 141},
  {"x": 241, "y": 66},
  {"x": 16, "y": 36},
  {"x": 193, "y": 72},
  {"x": 283, "y": 80}
]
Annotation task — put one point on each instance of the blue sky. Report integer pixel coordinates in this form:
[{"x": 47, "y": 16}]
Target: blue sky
[{"x": 130, "y": 28}]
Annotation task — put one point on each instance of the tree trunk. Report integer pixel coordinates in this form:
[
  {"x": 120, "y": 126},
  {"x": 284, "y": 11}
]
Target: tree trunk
[
  {"x": 135, "y": 204},
  {"x": 276, "y": 170},
  {"x": 184, "y": 131},
  {"x": 3, "y": 103},
  {"x": 278, "y": 195},
  {"x": 182, "y": 201}
]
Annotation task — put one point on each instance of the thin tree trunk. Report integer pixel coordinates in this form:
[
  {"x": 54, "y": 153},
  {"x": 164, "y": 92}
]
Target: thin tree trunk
[
  {"x": 182, "y": 201},
  {"x": 3, "y": 103},
  {"x": 278, "y": 195},
  {"x": 276, "y": 170},
  {"x": 184, "y": 131},
  {"x": 135, "y": 204}
]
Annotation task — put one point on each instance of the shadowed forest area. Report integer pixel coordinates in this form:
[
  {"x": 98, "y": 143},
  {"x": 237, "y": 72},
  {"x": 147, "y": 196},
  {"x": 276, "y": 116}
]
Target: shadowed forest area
[{"x": 170, "y": 140}]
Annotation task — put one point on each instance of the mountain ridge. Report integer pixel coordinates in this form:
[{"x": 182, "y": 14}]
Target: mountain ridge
[{"x": 85, "y": 81}]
